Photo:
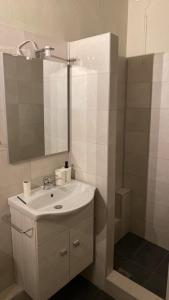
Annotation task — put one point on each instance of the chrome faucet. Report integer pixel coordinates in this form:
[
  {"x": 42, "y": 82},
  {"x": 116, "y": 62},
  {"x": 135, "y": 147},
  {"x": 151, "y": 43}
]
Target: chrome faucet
[{"x": 48, "y": 182}]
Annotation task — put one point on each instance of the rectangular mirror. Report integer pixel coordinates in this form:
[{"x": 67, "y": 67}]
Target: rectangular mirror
[{"x": 36, "y": 96}]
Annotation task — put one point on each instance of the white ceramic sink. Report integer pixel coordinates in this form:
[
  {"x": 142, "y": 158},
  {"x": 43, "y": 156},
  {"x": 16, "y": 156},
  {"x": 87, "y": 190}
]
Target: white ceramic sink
[{"x": 55, "y": 201}]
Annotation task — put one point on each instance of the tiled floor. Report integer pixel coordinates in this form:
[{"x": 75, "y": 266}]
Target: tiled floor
[
  {"x": 77, "y": 289},
  {"x": 143, "y": 262},
  {"x": 80, "y": 289}
]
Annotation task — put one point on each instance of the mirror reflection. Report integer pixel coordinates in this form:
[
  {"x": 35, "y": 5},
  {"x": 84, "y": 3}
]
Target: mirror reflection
[{"x": 36, "y": 96}]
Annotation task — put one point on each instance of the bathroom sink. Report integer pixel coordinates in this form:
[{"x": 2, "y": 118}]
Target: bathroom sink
[{"x": 60, "y": 200}]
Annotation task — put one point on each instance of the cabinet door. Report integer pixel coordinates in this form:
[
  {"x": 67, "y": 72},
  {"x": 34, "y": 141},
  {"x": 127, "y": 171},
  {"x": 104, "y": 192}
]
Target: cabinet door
[
  {"x": 53, "y": 261},
  {"x": 81, "y": 246}
]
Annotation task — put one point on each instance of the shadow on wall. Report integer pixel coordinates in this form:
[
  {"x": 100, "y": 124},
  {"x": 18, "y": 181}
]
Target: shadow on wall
[
  {"x": 146, "y": 144},
  {"x": 6, "y": 257},
  {"x": 100, "y": 213}
]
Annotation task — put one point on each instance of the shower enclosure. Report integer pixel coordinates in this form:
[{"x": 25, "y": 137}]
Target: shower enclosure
[{"x": 142, "y": 205}]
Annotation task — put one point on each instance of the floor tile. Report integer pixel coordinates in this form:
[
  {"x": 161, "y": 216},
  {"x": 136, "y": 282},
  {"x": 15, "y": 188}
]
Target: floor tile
[
  {"x": 162, "y": 269},
  {"x": 128, "y": 245},
  {"x": 102, "y": 296},
  {"x": 150, "y": 256},
  {"x": 118, "y": 261},
  {"x": 80, "y": 289},
  {"x": 143, "y": 262},
  {"x": 157, "y": 284},
  {"x": 135, "y": 272}
]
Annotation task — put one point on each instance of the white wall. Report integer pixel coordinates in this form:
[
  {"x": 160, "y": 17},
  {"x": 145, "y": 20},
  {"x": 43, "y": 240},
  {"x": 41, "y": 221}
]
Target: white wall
[
  {"x": 68, "y": 19},
  {"x": 157, "y": 204},
  {"x": 93, "y": 106},
  {"x": 61, "y": 20},
  {"x": 157, "y": 27}
]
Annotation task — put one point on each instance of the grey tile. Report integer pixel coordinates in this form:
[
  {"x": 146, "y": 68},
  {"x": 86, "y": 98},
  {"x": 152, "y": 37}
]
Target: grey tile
[
  {"x": 31, "y": 113},
  {"x": 140, "y": 68},
  {"x": 138, "y": 119},
  {"x": 150, "y": 256},
  {"x": 135, "y": 272},
  {"x": 23, "y": 67},
  {"x": 148, "y": 263},
  {"x": 29, "y": 92},
  {"x": 139, "y": 95},
  {"x": 80, "y": 289},
  {"x": 10, "y": 69},
  {"x": 128, "y": 245},
  {"x": 157, "y": 284},
  {"x": 36, "y": 70},
  {"x": 10, "y": 90},
  {"x": 162, "y": 269},
  {"x": 102, "y": 296}
]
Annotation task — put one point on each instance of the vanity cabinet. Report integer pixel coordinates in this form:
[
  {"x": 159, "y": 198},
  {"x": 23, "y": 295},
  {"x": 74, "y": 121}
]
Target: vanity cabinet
[{"x": 57, "y": 249}]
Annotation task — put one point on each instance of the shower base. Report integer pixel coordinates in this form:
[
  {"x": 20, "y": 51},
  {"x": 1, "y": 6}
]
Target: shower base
[{"x": 142, "y": 262}]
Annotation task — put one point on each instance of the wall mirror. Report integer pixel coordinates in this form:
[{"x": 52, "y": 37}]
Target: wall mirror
[{"x": 36, "y": 96}]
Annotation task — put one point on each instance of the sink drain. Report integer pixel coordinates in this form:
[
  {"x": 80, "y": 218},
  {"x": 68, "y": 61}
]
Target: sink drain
[{"x": 58, "y": 206}]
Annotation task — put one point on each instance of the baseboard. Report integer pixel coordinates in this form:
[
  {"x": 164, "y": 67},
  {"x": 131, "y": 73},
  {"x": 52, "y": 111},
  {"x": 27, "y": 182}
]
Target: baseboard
[
  {"x": 11, "y": 292},
  {"x": 122, "y": 288}
]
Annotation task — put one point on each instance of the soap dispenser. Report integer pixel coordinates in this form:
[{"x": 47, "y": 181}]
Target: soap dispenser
[{"x": 67, "y": 172}]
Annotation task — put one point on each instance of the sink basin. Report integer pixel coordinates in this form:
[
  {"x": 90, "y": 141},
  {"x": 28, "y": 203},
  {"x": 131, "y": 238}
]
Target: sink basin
[{"x": 60, "y": 200}]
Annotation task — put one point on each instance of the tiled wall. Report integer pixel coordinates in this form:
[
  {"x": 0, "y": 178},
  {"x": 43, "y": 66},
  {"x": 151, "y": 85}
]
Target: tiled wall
[
  {"x": 11, "y": 176},
  {"x": 121, "y": 102},
  {"x": 146, "y": 169},
  {"x": 121, "y": 227},
  {"x": 93, "y": 133},
  {"x": 157, "y": 209},
  {"x": 137, "y": 128}
]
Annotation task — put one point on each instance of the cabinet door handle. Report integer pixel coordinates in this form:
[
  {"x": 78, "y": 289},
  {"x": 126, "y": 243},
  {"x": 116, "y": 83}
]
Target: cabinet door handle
[
  {"x": 76, "y": 243},
  {"x": 63, "y": 252}
]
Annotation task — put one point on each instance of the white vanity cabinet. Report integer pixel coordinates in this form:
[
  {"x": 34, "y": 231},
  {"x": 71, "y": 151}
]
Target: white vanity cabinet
[{"x": 56, "y": 250}]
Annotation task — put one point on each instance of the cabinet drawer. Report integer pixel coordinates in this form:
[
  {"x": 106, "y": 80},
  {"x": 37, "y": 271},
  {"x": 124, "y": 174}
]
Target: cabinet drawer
[
  {"x": 81, "y": 247},
  {"x": 53, "y": 266}
]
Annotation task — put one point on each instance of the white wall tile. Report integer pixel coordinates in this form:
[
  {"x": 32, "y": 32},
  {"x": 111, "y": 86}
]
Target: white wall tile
[
  {"x": 159, "y": 145},
  {"x": 160, "y": 94},
  {"x": 92, "y": 94},
  {"x": 157, "y": 212},
  {"x": 158, "y": 169},
  {"x": 79, "y": 155},
  {"x": 90, "y": 91},
  {"x": 157, "y": 191},
  {"x": 78, "y": 125},
  {"x": 92, "y": 54},
  {"x": 157, "y": 234},
  {"x": 97, "y": 160}
]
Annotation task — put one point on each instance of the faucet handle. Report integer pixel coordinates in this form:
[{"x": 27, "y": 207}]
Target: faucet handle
[{"x": 46, "y": 180}]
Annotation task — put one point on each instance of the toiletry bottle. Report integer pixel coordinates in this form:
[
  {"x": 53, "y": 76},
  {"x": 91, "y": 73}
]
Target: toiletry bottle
[{"x": 67, "y": 172}]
